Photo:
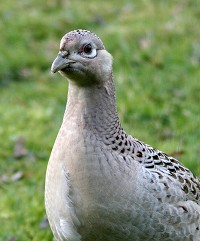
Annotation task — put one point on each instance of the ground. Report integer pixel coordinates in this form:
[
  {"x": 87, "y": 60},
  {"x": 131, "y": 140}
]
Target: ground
[{"x": 156, "y": 50}]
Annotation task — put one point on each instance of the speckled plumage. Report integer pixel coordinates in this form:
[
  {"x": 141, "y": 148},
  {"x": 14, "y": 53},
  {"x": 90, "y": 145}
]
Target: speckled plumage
[{"x": 101, "y": 183}]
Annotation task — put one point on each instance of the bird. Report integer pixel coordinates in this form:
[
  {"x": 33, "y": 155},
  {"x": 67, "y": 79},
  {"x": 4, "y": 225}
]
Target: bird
[{"x": 103, "y": 184}]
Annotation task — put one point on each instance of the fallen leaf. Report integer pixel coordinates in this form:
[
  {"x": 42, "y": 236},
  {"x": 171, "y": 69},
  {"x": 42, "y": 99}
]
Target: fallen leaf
[
  {"x": 17, "y": 176},
  {"x": 12, "y": 238},
  {"x": 19, "y": 148},
  {"x": 4, "y": 178},
  {"x": 144, "y": 43},
  {"x": 45, "y": 223}
]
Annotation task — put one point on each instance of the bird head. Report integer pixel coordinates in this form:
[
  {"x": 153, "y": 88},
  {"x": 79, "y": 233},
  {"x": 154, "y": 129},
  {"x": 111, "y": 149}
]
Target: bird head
[{"x": 83, "y": 59}]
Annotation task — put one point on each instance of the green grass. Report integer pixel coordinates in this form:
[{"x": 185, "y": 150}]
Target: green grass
[{"x": 156, "y": 50}]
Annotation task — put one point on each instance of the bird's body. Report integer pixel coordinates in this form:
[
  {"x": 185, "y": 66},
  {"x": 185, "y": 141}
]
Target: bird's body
[{"x": 101, "y": 183}]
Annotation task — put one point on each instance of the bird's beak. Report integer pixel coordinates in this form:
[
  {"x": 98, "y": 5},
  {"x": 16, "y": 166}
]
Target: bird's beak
[{"x": 60, "y": 63}]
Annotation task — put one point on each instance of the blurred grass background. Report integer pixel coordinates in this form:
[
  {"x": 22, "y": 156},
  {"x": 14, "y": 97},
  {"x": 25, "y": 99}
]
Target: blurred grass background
[{"x": 156, "y": 50}]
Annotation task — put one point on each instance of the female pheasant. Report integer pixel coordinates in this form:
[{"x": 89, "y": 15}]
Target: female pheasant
[{"x": 101, "y": 183}]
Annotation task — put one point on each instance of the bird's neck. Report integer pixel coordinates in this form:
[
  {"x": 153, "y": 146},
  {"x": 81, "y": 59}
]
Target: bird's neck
[{"x": 92, "y": 108}]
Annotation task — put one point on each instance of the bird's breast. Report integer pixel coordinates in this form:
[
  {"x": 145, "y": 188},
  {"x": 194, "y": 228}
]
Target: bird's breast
[{"x": 91, "y": 181}]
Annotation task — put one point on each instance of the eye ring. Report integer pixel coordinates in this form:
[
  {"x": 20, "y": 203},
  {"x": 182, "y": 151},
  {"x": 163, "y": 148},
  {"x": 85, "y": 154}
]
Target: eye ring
[{"x": 88, "y": 51}]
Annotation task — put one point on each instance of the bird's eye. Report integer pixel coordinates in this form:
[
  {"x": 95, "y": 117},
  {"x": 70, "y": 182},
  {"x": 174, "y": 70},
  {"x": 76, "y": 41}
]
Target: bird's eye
[{"x": 88, "y": 51}]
